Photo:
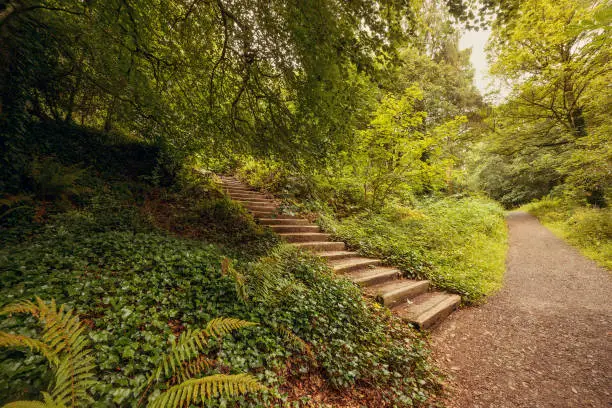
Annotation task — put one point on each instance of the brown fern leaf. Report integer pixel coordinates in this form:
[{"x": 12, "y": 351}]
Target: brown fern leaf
[{"x": 191, "y": 369}]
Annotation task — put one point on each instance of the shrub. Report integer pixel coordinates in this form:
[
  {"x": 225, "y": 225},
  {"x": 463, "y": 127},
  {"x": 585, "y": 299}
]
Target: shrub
[{"x": 51, "y": 180}]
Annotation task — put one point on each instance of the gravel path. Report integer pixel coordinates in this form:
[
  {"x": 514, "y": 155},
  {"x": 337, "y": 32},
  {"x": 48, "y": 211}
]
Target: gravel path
[{"x": 545, "y": 340}]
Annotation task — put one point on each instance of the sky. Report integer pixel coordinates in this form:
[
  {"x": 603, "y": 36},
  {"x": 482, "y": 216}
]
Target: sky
[
  {"x": 494, "y": 91},
  {"x": 477, "y": 41}
]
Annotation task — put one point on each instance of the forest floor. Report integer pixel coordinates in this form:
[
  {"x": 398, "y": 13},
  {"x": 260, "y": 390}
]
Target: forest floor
[{"x": 544, "y": 340}]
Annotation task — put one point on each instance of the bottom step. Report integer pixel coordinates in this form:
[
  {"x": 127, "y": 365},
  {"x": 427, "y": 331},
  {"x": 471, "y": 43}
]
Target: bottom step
[{"x": 428, "y": 309}]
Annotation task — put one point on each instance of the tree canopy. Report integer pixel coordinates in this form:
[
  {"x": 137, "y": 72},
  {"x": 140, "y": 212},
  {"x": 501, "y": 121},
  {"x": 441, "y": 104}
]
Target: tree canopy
[
  {"x": 554, "y": 128},
  {"x": 237, "y": 75}
]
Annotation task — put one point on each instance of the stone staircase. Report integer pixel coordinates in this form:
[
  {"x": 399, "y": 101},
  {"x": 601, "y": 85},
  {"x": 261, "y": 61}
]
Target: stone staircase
[{"x": 412, "y": 300}]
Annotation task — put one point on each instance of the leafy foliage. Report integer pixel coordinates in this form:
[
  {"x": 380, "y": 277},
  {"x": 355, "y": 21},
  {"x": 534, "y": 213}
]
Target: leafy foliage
[
  {"x": 551, "y": 132},
  {"x": 198, "y": 76},
  {"x": 137, "y": 287},
  {"x": 52, "y": 180},
  {"x": 184, "y": 394},
  {"x": 63, "y": 345},
  {"x": 190, "y": 344}
]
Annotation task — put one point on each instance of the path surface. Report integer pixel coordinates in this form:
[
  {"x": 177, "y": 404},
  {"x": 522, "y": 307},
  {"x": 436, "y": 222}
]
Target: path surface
[{"x": 545, "y": 340}]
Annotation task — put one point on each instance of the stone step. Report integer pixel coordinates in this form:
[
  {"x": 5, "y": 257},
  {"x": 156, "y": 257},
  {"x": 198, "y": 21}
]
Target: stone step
[
  {"x": 353, "y": 264},
  {"x": 334, "y": 255},
  {"x": 428, "y": 309},
  {"x": 279, "y": 216},
  {"x": 407, "y": 298},
  {"x": 396, "y": 292},
  {"x": 264, "y": 214},
  {"x": 255, "y": 201},
  {"x": 320, "y": 246},
  {"x": 247, "y": 197},
  {"x": 372, "y": 276},
  {"x": 239, "y": 190},
  {"x": 261, "y": 207},
  {"x": 295, "y": 228},
  {"x": 305, "y": 236},
  {"x": 283, "y": 221}
]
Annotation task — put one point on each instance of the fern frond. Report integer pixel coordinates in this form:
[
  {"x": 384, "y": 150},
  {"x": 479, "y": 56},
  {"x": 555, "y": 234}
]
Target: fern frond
[
  {"x": 221, "y": 326},
  {"x": 186, "y": 347},
  {"x": 73, "y": 378},
  {"x": 16, "y": 340},
  {"x": 190, "y": 344},
  {"x": 186, "y": 393},
  {"x": 191, "y": 369},
  {"x": 28, "y": 404},
  {"x": 66, "y": 345},
  {"x": 237, "y": 277},
  {"x": 47, "y": 403},
  {"x": 23, "y": 306}
]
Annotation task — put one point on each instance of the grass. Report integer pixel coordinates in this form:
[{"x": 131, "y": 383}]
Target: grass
[
  {"x": 587, "y": 228},
  {"x": 458, "y": 244}
]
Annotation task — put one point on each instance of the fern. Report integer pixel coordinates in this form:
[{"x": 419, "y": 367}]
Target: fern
[
  {"x": 239, "y": 280},
  {"x": 47, "y": 403},
  {"x": 188, "y": 392},
  {"x": 185, "y": 361},
  {"x": 267, "y": 283},
  {"x": 225, "y": 325},
  {"x": 10, "y": 201},
  {"x": 64, "y": 345},
  {"x": 190, "y": 344},
  {"x": 16, "y": 340},
  {"x": 191, "y": 369},
  {"x": 27, "y": 404}
]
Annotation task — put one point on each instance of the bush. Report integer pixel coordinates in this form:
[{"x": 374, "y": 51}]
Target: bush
[
  {"x": 587, "y": 228},
  {"x": 457, "y": 243}
]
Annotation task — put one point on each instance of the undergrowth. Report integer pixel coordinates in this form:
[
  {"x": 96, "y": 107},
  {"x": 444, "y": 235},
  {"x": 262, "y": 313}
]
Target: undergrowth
[
  {"x": 141, "y": 264},
  {"x": 458, "y": 244},
  {"x": 135, "y": 290},
  {"x": 587, "y": 228}
]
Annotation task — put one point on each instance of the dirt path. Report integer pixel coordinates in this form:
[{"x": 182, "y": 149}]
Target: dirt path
[{"x": 545, "y": 340}]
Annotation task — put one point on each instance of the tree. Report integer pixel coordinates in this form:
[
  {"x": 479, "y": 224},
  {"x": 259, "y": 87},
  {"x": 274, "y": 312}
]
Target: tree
[
  {"x": 555, "y": 55},
  {"x": 260, "y": 77}
]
